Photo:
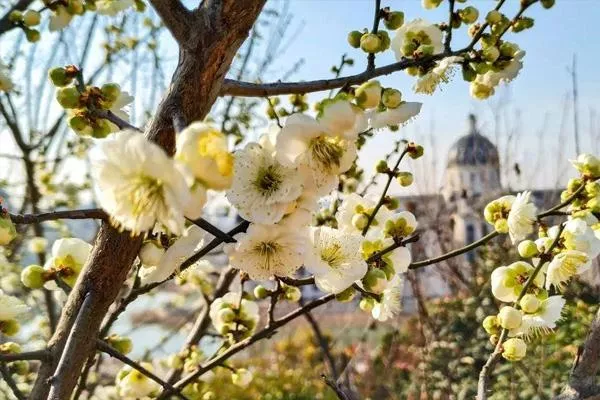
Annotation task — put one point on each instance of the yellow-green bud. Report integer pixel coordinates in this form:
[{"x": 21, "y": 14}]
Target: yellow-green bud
[
  {"x": 32, "y": 35},
  {"x": 122, "y": 344},
  {"x": 80, "y": 125},
  {"x": 522, "y": 23},
  {"x": 491, "y": 53},
  {"x": 509, "y": 317},
  {"x": 293, "y": 294},
  {"x": 20, "y": 367},
  {"x": 102, "y": 129},
  {"x": 366, "y": 304},
  {"x": 528, "y": 249},
  {"x": 33, "y": 276},
  {"x": 508, "y": 49},
  {"x": 7, "y": 231},
  {"x": 501, "y": 225},
  {"x": 394, "y": 20},
  {"x": 75, "y": 7},
  {"x": 209, "y": 396},
  {"x": 375, "y": 280},
  {"x": 493, "y": 17},
  {"x": 59, "y": 77},
  {"x": 514, "y": 349},
  {"x": 10, "y": 327},
  {"x": 382, "y": 167},
  {"x": 481, "y": 91},
  {"x": 548, "y": 3},
  {"x": 490, "y": 324},
  {"x": 385, "y": 40},
  {"x": 360, "y": 221},
  {"x": 468, "y": 73},
  {"x": 346, "y": 295},
  {"x": 468, "y": 15},
  {"x": 354, "y": 39},
  {"x": 368, "y": 94},
  {"x": 530, "y": 303},
  {"x": 68, "y": 97},
  {"x": 10, "y": 348},
  {"x": 31, "y": 18},
  {"x": 260, "y": 292},
  {"x": 415, "y": 151},
  {"x": 111, "y": 91},
  {"x": 140, "y": 6},
  {"x": 391, "y": 98},
  {"x": 425, "y": 50},
  {"x": 370, "y": 43},
  {"x": 227, "y": 315},
  {"x": 405, "y": 178},
  {"x": 431, "y": 4},
  {"x": 15, "y": 16}
]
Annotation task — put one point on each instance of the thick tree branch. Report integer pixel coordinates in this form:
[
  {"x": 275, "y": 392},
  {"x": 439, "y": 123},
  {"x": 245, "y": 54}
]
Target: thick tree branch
[{"x": 177, "y": 18}]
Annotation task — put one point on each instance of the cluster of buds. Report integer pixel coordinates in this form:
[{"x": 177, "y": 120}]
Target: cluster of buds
[
  {"x": 285, "y": 292},
  {"x": 26, "y": 21},
  {"x": 372, "y": 95},
  {"x": 122, "y": 344},
  {"x": 7, "y": 229},
  {"x": 377, "y": 42},
  {"x": 234, "y": 317},
  {"x": 298, "y": 103},
  {"x": 86, "y": 104}
]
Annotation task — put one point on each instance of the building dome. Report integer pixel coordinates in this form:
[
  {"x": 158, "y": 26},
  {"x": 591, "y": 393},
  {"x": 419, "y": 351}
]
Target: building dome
[{"x": 473, "y": 149}]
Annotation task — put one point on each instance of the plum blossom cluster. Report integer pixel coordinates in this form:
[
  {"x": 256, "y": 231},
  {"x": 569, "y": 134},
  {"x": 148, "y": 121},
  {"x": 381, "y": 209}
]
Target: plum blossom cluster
[{"x": 531, "y": 287}]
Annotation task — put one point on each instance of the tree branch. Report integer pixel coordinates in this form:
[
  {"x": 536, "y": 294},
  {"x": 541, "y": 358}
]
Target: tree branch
[
  {"x": 92, "y": 213},
  {"x": 5, "y": 23},
  {"x": 177, "y": 19},
  {"x": 5, "y": 373}
]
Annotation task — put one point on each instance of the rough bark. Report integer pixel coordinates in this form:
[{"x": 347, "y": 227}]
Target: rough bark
[{"x": 219, "y": 29}]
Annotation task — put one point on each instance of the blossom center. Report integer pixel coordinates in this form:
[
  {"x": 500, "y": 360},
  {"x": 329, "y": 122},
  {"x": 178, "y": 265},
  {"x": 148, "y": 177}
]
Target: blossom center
[
  {"x": 327, "y": 151},
  {"x": 146, "y": 194},
  {"x": 332, "y": 255},
  {"x": 268, "y": 180}
]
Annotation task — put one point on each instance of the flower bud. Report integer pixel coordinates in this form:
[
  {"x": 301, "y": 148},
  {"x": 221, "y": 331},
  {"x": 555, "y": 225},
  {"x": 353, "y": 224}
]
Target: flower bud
[
  {"x": 514, "y": 349},
  {"x": 7, "y": 231},
  {"x": 547, "y": 4},
  {"x": 375, "y": 281},
  {"x": 508, "y": 49},
  {"x": 68, "y": 97},
  {"x": 493, "y": 17},
  {"x": 530, "y": 303},
  {"x": 494, "y": 339},
  {"x": 360, "y": 221},
  {"x": 33, "y": 276},
  {"x": 10, "y": 348},
  {"x": 32, "y": 35},
  {"x": 293, "y": 294},
  {"x": 15, "y": 16},
  {"x": 385, "y": 40},
  {"x": 260, "y": 292},
  {"x": 382, "y": 167},
  {"x": 522, "y": 23},
  {"x": 366, "y": 304},
  {"x": 75, "y": 7},
  {"x": 242, "y": 377},
  {"x": 80, "y": 125},
  {"x": 425, "y": 50},
  {"x": 509, "y": 317},
  {"x": 346, "y": 296},
  {"x": 151, "y": 253},
  {"x": 368, "y": 94},
  {"x": 31, "y": 18},
  {"x": 111, "y": 91},
  {"x": 59, "y": 77},
  {"x": 468, "y": 15},
  {"x": 10, "y": 327},
  {"x": 391, "y": 98},
  {"x": 481, "y": 91},
  {"x": 227, "y": 315},
  {"x": 394, "y": 20},
  {"x": 101, "y": 129},
  {"x": 37, "y": 245},
  {"x": 370, "y": 43},
  {"x": 415, "y": 151},
  {"x": 528, "y": 249},
  {"x": 354, "y": 39},
  {"x": 491, "y": 53},
  {"x": 405, "y": 178},
  {"x": 431, "y": 4},
  {"x": 122, "y": 344},
  {"x": 490, "y": 324},
  {"x": 20, "y": 367}
]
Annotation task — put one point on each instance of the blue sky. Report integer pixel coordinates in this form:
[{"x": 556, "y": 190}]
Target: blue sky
[{"x": 538, "y": 94}]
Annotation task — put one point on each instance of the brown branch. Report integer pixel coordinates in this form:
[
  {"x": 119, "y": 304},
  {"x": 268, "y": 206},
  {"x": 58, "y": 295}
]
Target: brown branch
[
  {"x": 92, "y": 213},
  {"x": 115, "y": 119},
  {"x": 178, "y": 19},
  {"x": 323, "y": 344},
  {"x": 335, "y": 387},
  {"x": 37, "y": 355},
  {"x": 6, "y": 375}
]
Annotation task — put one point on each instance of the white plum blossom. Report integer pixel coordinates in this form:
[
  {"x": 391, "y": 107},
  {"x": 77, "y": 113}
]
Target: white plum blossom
[
  {"x": 112, "y": 7},
  {"x": 263, "y": 190},
  {"x": 587, "y": 164},
  {"x": 11, "y": 308},
  {"x": 204, "y": 151},
  {"x": 354, "y": 213},
  {"x": 441, "y": 73},
  {"x": 60, "y": 18},
  {"x": 268, "y": 250},
  {"x": 175, "y": 255},
  {"x": 118, "y": 108},
  {"x": 564, "y": 265},
  {"x": 133, "y": 385},
  {"x": 543, "y": 320},
  {"x": 578, "y": 235},
  {"x": 37, "y": 244},
  {"x": 391, "y": 300},
  {"x": 151, "y": 253},
  {"x": 139, "y": 185},
  {"x": 343, "y": 119},
  {"x": 322, "y": 149},
  {"x": 521, "y": 217},
  {"x": 203, "y": 274},
  {"x": 507, "y": 282},
  {"x": 394, "y": 116},
  {"x": 68, "y": 256},
  {"x": 242, "y": 377},
  {"x": 410, "y": 36},
  {"x": 335, "y": 259}
]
